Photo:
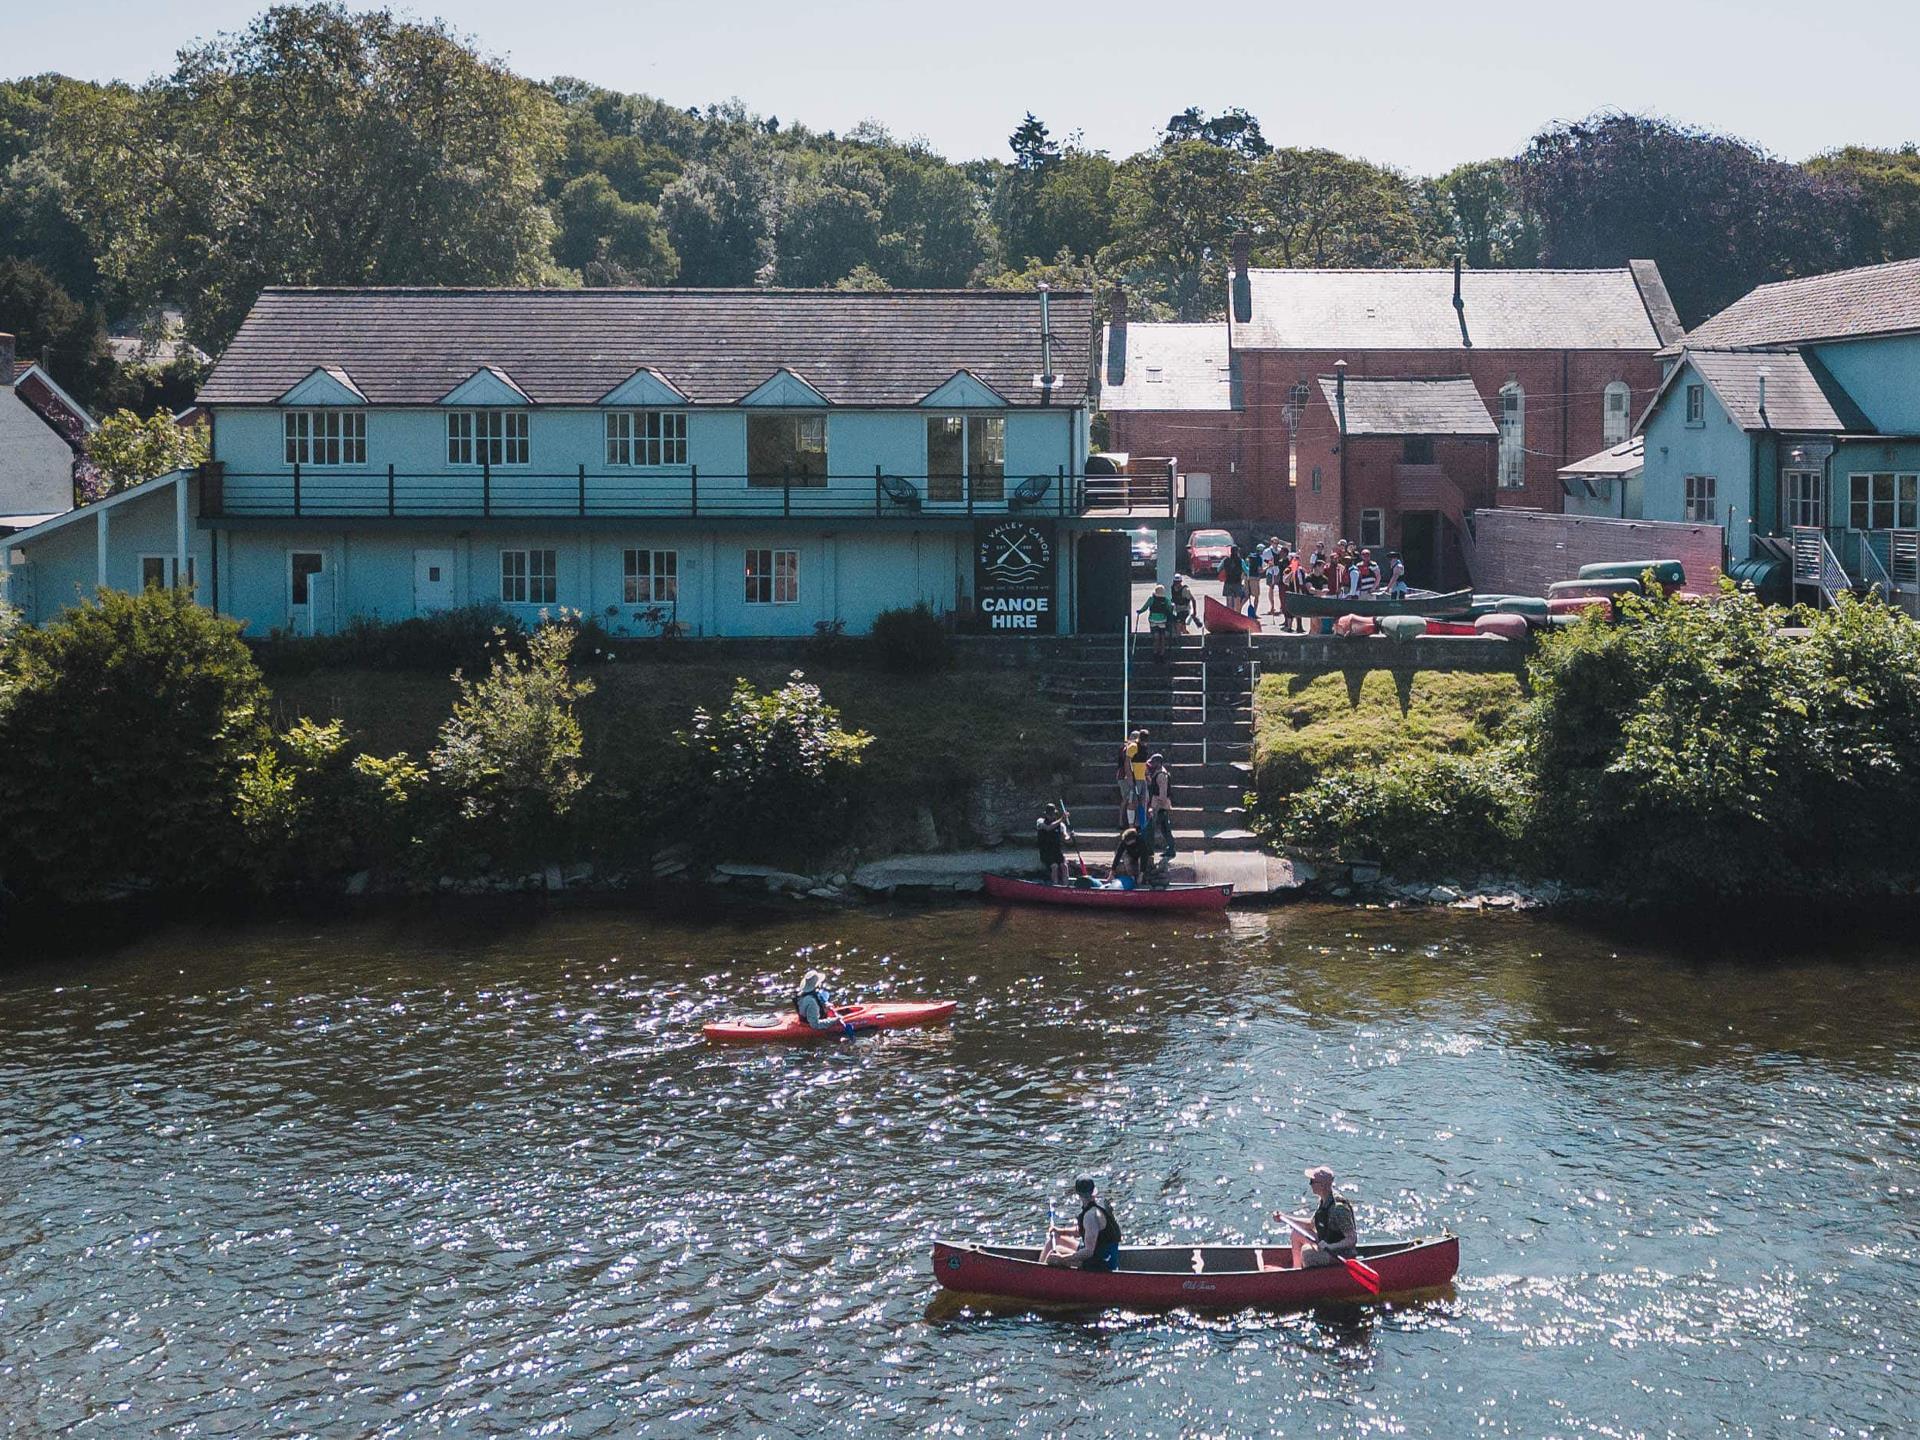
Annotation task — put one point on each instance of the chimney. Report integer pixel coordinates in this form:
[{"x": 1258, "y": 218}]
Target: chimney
[
  {"x": 1460, "y": 305},
  {"x": 6, "y": 360},
  {"x": 1238, "y": 285},
  {"x": 1117, "y": 339},
  {"x": 1044, "y": 381},
  {"x": 1340, "y": 394}
]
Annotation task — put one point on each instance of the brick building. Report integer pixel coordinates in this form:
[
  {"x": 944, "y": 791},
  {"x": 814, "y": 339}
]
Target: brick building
[{"x": 1558, "y": 363}]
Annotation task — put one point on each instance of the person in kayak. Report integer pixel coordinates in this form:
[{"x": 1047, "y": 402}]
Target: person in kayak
[
  {"x": 1093, "y": 1241},
  {"x": 1336, "y": 1237},
  {"x": 1052, "y": 832},
  {"x": 814, "y": 1004}
]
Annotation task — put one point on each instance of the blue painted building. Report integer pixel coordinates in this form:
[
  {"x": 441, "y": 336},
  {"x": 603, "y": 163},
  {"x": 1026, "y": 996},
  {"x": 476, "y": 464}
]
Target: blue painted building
[
  {"x": 1792, "y": 418},
  {"x": 736, "y": 462}
]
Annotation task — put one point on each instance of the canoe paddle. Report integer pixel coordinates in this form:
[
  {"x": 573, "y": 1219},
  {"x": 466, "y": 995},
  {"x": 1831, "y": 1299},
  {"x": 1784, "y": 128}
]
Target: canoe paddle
[
  {"x": 1067, "y": 815},
  {"x": 1364, "y": 1275}
]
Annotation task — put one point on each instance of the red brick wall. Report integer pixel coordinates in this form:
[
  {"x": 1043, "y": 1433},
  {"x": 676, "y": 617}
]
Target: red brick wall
[
  {"x": 1205, "y": 442},
  {"x": 1518, "y": 552}
]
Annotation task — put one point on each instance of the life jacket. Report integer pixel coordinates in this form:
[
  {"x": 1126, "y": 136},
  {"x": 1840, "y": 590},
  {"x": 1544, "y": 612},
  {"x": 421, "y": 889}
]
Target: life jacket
[
  {"x": 1107, "y": 1253},
  {"x": 1369, "y": 578},
  {"x": 820, "y": 998},
  {"x": 1323, "y": 1226}
]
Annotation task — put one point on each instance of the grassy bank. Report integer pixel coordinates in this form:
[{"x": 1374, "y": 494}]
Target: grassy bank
[{"x": 935, "y": 736}]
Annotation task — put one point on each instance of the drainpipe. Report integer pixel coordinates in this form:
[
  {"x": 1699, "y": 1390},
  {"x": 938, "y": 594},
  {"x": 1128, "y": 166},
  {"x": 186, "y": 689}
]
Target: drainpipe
[
  {"x": 1753, "y": 465},
  {"x": 1340, "y": 404},
  {"x": 1460, "y": 306}
]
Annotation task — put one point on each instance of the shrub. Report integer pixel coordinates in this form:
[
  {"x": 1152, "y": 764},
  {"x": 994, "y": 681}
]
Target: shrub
[
  {"x": 769, "y": 768},
  {"x": 509, "y": 756},
  {"x": 312, "y": 810},
  {"x": 466, "y": 638},
  {"x": 132, "y": 720},
  {"x": 911, "y": 642},
  {"x": 1414, "y": 814}
]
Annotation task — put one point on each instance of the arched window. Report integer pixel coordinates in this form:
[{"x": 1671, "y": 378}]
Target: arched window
[
  {"x": 1616, "y": 418},
  {"x": 1513, "y": 436},
  {"x": 1296, "y": 407}
]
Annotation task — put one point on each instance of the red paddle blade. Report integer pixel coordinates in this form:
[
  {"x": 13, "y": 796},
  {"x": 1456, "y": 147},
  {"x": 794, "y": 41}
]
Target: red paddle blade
[{"x": 1365, "y": 1276}]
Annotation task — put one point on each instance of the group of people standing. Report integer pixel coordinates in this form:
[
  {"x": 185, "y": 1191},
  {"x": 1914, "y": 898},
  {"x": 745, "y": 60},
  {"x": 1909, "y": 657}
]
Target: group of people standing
[
  {"x": 1146, "y": 811},
  {"x": 1276, "y": 568}
]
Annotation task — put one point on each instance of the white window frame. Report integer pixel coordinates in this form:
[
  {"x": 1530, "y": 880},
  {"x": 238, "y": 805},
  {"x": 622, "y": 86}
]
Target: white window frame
[
  {"x": 1697, "y": 405},
  {"x": 1900, "y": 504},
  {"x": 776, "y": 573},
  {"x": 646, "y": 439},
  {"x": 1513, "y": 436},
  {"x": 1795, "y": 509},
  {"x": 169, "y": 570},
  {"x": 494, "y": 438},
  {"x": 324, "y": 438},
  {"x": 529, "y": 577},
  {"x": 1376, "y": 517},
  {"x": 650, "y": 577},
  {"x": 1701, "y": 505},
  {"x": 1616, "y": 419}
]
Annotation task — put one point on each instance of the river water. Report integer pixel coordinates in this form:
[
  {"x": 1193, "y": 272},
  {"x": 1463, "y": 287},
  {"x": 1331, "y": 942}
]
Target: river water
[{"x": 476, "y": 1174}]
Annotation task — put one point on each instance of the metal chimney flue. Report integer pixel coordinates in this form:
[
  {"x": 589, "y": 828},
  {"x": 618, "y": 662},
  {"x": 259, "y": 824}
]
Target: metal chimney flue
[{"x": 1046, "y": 379}]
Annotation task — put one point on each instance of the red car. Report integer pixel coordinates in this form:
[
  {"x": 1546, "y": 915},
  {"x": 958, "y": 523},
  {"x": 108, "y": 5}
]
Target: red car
[{"x": 1207, "y": 551}]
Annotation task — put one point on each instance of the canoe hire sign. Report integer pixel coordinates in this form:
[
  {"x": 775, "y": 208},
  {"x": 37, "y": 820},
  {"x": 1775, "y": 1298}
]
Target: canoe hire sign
[{"x": 1015, "y": 565}]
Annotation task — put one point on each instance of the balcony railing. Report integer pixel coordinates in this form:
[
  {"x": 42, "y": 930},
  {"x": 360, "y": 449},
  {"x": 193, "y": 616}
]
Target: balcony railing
[{"x": 511, "y": 492}]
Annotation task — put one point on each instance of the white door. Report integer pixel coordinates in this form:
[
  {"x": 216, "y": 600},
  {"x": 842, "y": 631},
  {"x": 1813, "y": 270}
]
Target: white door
[
  {"x": 309, "y": 592},
  {"x": 432, "y": 581}
]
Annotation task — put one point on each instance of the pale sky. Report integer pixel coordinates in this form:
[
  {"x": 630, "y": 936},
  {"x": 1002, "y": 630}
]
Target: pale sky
[{"x": 1420, "y": 85}]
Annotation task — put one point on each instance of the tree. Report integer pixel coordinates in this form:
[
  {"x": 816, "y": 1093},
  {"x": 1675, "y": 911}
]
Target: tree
[
  {"x": 1888, "y": 183},
  {"x": 1718, "y": 215},
  {"x": 1174, "y": 210},
  {"x": 34, "y": 223},
  {"x": 1314, "y": 207},
  {"x": 719, "y": 217},
  {"x": 931, "y": 232},
  {"x": 1477, "y": 215},
  {"x": 829, "y": 221},
  {"x": 612, "y": 241},
  {"x": 317, "y": 146},
  {"x": 127, "y": 449},
  {"x": 132, "y": 721},
  {"x": 70, "y": 338},
  {"x": 1233, "y": 129}
]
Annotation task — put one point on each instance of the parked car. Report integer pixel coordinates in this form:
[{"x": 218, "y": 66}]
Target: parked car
[
  {"x": 1207, "y": 550},
  {"x": 1146, "y": 550}
]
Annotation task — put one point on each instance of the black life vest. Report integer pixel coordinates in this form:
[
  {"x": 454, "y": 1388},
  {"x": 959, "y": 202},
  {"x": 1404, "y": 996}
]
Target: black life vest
[
  {"x": 1323, "y": 1228},
  {"x": 1109, "y": 1246},
  {"x": 819, "y": 998}
]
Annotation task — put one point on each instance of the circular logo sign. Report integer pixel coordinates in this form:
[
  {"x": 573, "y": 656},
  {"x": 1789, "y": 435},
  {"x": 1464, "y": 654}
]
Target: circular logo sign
[{"x": 1015, "y": 553}]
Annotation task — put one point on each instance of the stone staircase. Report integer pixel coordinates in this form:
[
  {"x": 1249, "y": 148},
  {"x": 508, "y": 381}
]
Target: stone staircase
[{"x": 1197, "y": 710}]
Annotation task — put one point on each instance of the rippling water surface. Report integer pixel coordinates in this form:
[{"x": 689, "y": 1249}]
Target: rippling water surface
[{"x": 478, "y": 1176}]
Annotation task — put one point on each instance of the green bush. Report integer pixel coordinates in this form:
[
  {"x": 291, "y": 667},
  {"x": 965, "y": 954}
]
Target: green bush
[
  {"x": 132, "y": 721},
  {"x": 911, "y": 642},
  {"x": 463, "y": 639},
  {"x": 312, "y": 810},
  {"x": 509, "y": 757},
  {"x": 769, "y": 772},
  {"x": 1416, "y": 814}
]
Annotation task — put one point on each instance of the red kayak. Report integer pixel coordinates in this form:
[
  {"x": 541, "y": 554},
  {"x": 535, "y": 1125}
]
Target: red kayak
[
  {"x": 1222, "y": 1277},
  {"x": 1169, "y": 897},
  {"x": 886, "y": 1015},
  {"x": 1216, "y": 616}
]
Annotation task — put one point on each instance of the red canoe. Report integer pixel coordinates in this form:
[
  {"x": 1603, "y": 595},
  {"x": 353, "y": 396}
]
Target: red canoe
[
  {"x": 887, "y": 1015},
  {"x": 1170, "y": 897},
  {"x": 1223, "y": 1277},
  {"x": 1216, "y": 616}
]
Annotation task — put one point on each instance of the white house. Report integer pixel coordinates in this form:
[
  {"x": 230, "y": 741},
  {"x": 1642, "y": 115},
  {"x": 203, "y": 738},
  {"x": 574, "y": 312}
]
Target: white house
[
  {"x": 740, "y": 462},
  {"x": 42, "y": 431}
]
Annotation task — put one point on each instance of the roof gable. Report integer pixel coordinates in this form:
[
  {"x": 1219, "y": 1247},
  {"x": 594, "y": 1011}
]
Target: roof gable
[
  {"x": 784, "y": 389},
  {"x": 1800, "y": 394},
  {"x": 646, "y": 386},
  {"x": 327, "y": 385},
  {"x": 489, "y": 385},
  {"x": 964, "y": 391},
  {"x": 1870, "y": 300}
]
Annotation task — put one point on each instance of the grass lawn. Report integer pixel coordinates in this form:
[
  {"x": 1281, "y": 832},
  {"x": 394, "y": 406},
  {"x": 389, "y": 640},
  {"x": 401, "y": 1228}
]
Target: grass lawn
[{"x": 1307, "y": 725}]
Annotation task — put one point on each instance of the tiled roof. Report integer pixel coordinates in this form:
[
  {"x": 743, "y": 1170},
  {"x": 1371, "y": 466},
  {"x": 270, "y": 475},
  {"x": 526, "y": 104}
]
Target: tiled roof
[
  {"x": 570, "y": 347},
  {"x": 1872, "y": 300},
  {"x": 1801, "y": 395},
  {"x": 1413, "y": 310},
  {"x": 1168, "y": 367},
  {"x": 1411, "y": 407},
  {"x": 1629, "y": 457}
]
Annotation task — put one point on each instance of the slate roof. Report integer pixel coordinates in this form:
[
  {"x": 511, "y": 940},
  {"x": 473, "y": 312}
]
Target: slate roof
[
  {"x": 1801, "y": 395},
  {"x": 1871, "y": 300},
  {"x": 570, "y": 347},
  {"x": 1413, "y": 310},
  {"x": 1168, "y": 367},
  {"x": 1628, "y": 458},
  {"x": 1411, "y": 407}
]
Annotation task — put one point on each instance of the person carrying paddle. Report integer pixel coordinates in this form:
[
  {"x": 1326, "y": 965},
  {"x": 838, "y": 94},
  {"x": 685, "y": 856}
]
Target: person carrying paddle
[
  {"x": 1159, "y": 612},
  {"x": 814, "y": 1004},
  {"x": 1092, "y": 1242},
  {"x": 1336, "y": 1238},
  {"x": 1053, "y": 832}
]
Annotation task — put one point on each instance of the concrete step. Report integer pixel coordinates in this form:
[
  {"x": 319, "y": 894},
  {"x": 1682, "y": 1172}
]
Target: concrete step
[{"x": 1222, "y": 838}]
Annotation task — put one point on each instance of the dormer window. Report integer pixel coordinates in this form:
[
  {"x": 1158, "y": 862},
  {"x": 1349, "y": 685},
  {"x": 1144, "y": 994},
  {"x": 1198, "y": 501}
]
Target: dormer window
[
  {"x": 487, "y": 437},
  {"x": 646, "y": 437},
  {"x": 326, "y": 437}
]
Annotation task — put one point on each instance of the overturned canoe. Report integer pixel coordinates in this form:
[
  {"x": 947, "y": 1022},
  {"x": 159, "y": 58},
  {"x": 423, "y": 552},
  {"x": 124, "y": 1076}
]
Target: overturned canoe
[
  {"x": 1159, "y": 1277},
  {"x": 884, "y": 1015},
  {"x": 1088, "y": 897},
  {"x": 1416, "y": 602}
]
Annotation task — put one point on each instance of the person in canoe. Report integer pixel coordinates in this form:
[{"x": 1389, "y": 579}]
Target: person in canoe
[
  {"x": 1159, "y": 612},
  {"x": 1053, "y": 832},
  {"x": 814, "y": 1005},
  {"x": 1130, "y": 859},
  {"x": 1335, "y": 1235},
  {"x": 1093, "y": 1241}
]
